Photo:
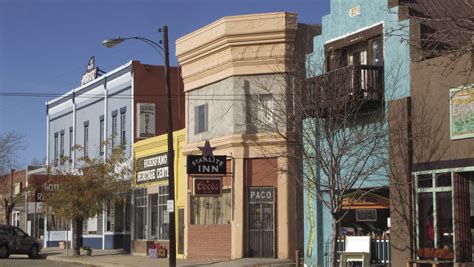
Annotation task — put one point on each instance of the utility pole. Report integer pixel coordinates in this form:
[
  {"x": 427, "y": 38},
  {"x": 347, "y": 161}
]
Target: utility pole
[
  {"x": 172, "y": 226},
  {"x": 10, "y": 206}
]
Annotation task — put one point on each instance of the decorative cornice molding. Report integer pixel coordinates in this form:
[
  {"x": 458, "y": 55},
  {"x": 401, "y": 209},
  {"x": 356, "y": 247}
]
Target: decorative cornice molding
[{"x": 237, "y": 45}]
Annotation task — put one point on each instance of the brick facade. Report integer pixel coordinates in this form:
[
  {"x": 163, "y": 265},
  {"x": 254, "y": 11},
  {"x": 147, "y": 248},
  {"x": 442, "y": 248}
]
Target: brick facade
[{"x": 209, "y": 241}]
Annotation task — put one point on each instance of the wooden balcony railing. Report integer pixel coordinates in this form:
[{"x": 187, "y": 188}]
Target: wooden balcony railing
[{"x": 356, "y": 85}]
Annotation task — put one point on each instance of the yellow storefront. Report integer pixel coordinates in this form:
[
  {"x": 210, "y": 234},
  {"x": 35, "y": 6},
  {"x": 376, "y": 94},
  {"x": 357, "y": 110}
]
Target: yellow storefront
[{"x": 150, "y": 219}]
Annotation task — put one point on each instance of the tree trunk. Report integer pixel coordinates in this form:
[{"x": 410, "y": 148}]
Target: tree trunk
[
  {"x": 335, "y": 235},
  {"x": 77, "y": 237}
]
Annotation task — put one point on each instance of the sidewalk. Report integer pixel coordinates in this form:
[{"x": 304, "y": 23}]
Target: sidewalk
[{"x": 118, "y": 258}]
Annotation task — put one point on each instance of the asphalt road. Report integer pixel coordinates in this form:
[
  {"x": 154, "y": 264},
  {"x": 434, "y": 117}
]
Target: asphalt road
[{"x": 20, "y": 260}]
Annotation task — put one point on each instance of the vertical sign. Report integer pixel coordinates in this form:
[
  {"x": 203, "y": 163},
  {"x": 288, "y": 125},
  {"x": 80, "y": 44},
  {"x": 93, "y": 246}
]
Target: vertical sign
[
  {"x": 91, "y": 72},
  {"x": 146, "y": 120}
]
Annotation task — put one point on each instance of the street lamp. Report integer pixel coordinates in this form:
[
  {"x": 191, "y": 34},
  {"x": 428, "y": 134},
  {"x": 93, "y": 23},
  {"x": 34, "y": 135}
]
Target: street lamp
[{"x": 109, "y": 43}]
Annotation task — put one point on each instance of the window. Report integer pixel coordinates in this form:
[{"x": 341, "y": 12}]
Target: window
[
  {"x": 86, "y": 139},
  {"x": 101, "y": 135},
  {"x": 211, "y": 210},
  {"x": 201, "y": 118},
  {"x": 140, "y": 213},
  {"x": 376, "y": 52},
  {"x": 61, "y": 145},
  {"x": 56, "y": 149},
  {"x": 163, "y": 215},
  {"x": 159, "y": 214},
  {"x": 265, "y": 109},
  {"x": 71, "y": 144},
  {"x": 434, "y": 210},
  {"x": 114, "y": 127},
  {"x": 122, "y": 130}
]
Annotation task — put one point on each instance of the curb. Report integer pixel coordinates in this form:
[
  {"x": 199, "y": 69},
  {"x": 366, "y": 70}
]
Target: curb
[{"x": 78, "y": 261}]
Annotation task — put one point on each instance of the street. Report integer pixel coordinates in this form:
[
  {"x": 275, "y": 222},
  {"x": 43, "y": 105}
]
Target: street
[{"x": 23, "y": 260}]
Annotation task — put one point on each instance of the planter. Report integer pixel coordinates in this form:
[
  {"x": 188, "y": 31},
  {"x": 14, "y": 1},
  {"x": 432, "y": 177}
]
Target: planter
[{"x": 86, "y": 251}]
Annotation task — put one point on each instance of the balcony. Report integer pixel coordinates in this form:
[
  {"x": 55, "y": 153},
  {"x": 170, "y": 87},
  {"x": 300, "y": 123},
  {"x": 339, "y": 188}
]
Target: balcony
[{"x": 355, "y": 88}]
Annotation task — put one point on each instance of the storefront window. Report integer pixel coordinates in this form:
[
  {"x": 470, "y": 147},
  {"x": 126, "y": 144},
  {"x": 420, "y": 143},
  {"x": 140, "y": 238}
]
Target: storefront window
[
  {"x": 444, "y": 219},
  {"x": 435, "y": 212},
  {"x": 140, "y": 213},
  {"x": 163, "y": 216},
  {"x": 426, "y": 220},
  {"x": 211, "y": 210}
]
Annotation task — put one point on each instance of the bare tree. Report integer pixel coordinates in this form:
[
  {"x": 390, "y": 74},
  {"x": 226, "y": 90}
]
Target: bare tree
[
  {"x": 11, "y": 143},
  {"x": 440, "y": 28}
]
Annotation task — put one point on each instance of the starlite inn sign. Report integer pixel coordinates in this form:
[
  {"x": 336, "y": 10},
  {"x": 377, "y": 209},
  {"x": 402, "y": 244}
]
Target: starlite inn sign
[{"x": 207, "y": 163}]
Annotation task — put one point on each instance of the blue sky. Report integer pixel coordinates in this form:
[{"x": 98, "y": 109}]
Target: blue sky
[{"x": 45, "y": 45}]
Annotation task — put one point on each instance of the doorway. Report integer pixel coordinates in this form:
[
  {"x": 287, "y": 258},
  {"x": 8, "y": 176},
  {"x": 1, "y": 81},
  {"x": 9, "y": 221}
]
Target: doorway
[{"x": 261, "y": 222}]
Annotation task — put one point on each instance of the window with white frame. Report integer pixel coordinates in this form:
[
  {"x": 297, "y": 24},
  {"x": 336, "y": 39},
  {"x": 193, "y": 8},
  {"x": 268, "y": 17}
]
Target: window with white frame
[
  {"x": 435, "y": 210},
  {"x": 140, "y": 213},
  {"x": 86, "y": 139},
  {"x": 61, "y": 145},
  {"x": 265, "y": 108},
  {"x": 163, "y": 215},
  {"x": 114, "y": 128},
  {"x": 123, "y": 131},
  {"x": 201, "y": 118},
  {"x": 70, "y": 143},
  {"x": 101, "y": 135},
  {"x": 56, "y": 147}
]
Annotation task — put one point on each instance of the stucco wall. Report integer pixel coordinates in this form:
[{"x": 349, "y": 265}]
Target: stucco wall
[
  {"x": 337, "y": 25},
  {"x": 229, "y": 102}
]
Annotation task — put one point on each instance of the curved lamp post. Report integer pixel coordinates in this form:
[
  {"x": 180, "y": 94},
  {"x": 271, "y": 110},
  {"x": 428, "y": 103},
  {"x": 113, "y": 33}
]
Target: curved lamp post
[{"x": 109, "y": 43}]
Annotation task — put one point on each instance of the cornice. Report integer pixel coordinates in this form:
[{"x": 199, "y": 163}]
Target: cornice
[{"x": 237, "y": 45}]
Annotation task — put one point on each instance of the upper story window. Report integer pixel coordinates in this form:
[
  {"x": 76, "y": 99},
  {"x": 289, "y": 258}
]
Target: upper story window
[
  {"x": 201, "y": 121},
  {"x": 61, "y": 145},
  {"x": 56, "y": 147},
  {"x": 123, "y": 127},
  {"x": 101, "y": 135},
  {"x": 86, "y": 139},
  {"x": 114, "y": 127},
  {"x": 265, "y": 109},
  {"x": 71, "y": 143},
  {"x": 361, "y": 48}
]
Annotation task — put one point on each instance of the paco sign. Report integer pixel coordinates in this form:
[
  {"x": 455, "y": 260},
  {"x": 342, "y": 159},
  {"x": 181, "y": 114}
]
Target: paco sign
[
  {"x": 207, "y": 187},
  {"x": 261, "y": 194}
]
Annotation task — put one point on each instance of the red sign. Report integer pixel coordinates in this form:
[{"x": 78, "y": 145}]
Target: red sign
[{"x": 207, "y": 187}]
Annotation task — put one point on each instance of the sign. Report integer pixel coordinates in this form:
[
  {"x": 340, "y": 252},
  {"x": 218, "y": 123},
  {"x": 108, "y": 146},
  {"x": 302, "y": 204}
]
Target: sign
[
  {"x": 261, "y": 194},
  {"x": 170, "y": 205},
  {"x": 152, "y": 168},
  {"x": 91, "y": 72},
  {"x": 207, "y": 187},
  {"x": 366, "y": 215},
  {"x": 146, "y": 120},
  {"x": 48, "y": 188},
  {"x": 207, "y": 163},
  {"x": 462, "y": 112}
]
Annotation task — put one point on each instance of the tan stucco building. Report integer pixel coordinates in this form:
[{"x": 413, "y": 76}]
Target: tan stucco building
[{"x": 235, "y": 72}]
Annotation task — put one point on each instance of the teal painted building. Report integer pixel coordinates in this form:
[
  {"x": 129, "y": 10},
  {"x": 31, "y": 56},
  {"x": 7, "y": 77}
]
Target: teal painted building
[{"x": 363, "y": 34}]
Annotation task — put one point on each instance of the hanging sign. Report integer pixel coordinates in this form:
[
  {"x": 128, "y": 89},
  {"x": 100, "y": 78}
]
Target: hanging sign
[
  {"x": 91, "y": 72},
  {"x": 146, "y": 120},
  {"x": 207, "y": 186},
  {"x": 152, "y": 168},
  {"x": 207, "y": 163}
]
